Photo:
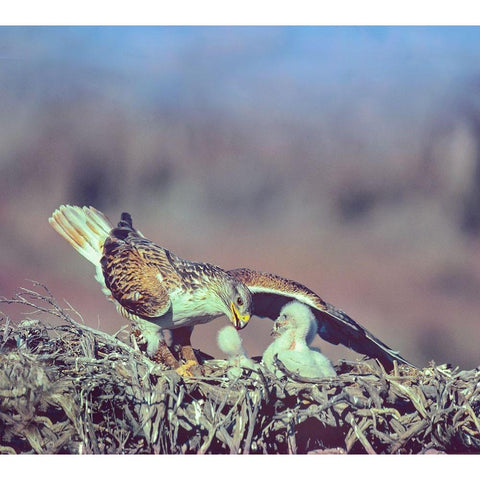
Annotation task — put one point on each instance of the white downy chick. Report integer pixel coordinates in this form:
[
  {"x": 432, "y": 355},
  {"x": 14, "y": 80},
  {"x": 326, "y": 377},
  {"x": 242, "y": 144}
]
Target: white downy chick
[
  {"x": 295, "y": 329},
  {"x": 230, "y": 343}
]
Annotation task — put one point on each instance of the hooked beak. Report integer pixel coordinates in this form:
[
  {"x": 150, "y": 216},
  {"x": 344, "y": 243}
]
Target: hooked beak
[
  {"x": 239, "y": 321},
  {"x": 277, "y": 329}
]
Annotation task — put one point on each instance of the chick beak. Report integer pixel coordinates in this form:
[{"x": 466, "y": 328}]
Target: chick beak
[
  {"x": 239, "y": 321},
  {"x": 276, "y": 330}
]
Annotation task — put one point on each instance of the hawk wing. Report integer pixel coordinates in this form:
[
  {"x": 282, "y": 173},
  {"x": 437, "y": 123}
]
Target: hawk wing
[
  {"x": 137, "y": 272},
  {"x": 271, "y": 292}
]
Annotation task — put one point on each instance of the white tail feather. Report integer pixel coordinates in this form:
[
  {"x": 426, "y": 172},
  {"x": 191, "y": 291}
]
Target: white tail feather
[{"x": 84, "y": 228}]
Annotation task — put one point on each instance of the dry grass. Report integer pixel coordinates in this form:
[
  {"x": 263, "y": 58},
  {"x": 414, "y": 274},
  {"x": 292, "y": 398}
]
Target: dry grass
[{"x": 67, "y": 388}]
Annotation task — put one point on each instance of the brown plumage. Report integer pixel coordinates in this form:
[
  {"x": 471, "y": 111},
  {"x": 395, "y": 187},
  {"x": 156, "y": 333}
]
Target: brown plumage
[
  {"x": 131, "y": 268},
  {"x": 271, "y": 292},
  {"x": 150, "y": 285}
]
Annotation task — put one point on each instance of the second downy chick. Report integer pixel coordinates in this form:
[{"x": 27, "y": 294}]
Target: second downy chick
[{"x": 230, "y": 343}]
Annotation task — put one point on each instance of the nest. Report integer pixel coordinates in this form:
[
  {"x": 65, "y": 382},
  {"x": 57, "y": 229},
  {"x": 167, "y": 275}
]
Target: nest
[{"x": 68, "y": 388}]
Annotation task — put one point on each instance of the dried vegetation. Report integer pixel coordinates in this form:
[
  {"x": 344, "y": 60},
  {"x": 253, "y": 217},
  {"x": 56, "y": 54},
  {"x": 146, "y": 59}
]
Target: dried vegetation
[{"x": 67, "y": 388}]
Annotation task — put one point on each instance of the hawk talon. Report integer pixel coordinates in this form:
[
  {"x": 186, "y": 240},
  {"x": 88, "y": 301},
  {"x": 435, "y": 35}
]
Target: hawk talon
[{"x": 189, "y": 368}]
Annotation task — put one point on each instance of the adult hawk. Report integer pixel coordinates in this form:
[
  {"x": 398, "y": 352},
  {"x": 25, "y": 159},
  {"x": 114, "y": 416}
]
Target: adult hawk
[{"x": 157, "y": 290}]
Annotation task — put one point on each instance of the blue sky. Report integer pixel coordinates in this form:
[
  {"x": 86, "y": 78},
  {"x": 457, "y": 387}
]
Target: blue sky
[{"x": 289, "y": 67}]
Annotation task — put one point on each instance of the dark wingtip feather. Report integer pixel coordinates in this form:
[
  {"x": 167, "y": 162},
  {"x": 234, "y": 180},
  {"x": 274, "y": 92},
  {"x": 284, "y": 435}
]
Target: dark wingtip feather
[{"x": 346, "y": 331}]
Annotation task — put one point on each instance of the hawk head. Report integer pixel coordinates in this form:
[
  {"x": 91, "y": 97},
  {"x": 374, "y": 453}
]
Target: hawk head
[{"x": 236, "y": 302}]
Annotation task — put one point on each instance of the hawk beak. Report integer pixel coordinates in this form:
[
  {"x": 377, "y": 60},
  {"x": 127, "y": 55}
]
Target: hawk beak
[{"x": 239, "y": 321}]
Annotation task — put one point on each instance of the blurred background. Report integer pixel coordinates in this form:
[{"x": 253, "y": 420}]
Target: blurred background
[{"x": 345, "y": 158}]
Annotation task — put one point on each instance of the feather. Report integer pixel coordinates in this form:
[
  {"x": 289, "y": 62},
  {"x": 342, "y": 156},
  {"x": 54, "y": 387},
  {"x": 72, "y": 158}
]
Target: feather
[
  {"x": 86, "y": 229},
  {"x": 270, "y": 293}
]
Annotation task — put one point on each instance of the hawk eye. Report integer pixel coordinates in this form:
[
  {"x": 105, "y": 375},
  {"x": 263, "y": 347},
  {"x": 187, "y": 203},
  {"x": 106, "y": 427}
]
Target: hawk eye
[{"x": 239, "y": 301}]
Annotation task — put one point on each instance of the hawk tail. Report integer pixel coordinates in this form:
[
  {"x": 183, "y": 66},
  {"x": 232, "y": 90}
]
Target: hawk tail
[{"x": 84, "y": 228}]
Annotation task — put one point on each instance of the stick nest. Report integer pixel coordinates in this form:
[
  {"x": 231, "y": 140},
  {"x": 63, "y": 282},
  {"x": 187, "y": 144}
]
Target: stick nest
[{"x": 68, "y": 388}]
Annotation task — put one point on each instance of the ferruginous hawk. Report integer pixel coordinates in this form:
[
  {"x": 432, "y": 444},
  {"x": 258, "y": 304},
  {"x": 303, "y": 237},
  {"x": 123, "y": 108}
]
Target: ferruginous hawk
[
  {"x": 150, "y": 285},
  {"x": 157, "y": 290}
]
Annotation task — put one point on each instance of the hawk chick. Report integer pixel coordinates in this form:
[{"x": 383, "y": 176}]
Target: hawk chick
[{"x": 294, "y": 330}]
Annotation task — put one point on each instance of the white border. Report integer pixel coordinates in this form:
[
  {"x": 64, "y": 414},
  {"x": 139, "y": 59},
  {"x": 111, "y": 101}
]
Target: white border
[{"x": 245, "y": 12}]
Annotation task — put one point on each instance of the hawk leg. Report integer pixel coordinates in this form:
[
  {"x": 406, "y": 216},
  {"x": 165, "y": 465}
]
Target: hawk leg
[
  {"x": 181, "y": 340},
  {"x": 187, "y": 354},
  {"x": 165, "y": 356}
]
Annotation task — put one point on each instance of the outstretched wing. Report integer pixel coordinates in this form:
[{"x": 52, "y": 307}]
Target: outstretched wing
[
  {"x": 271, "y": 292},
  {"x": 137, "y": 271}
]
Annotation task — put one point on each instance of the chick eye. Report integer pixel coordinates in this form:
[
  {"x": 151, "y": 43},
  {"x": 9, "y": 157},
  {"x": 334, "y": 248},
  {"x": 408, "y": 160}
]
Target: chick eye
[{"x": 239, "y": 301}]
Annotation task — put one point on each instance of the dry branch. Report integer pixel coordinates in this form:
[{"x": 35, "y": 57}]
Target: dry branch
[{"x": 68, "y": 388}]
